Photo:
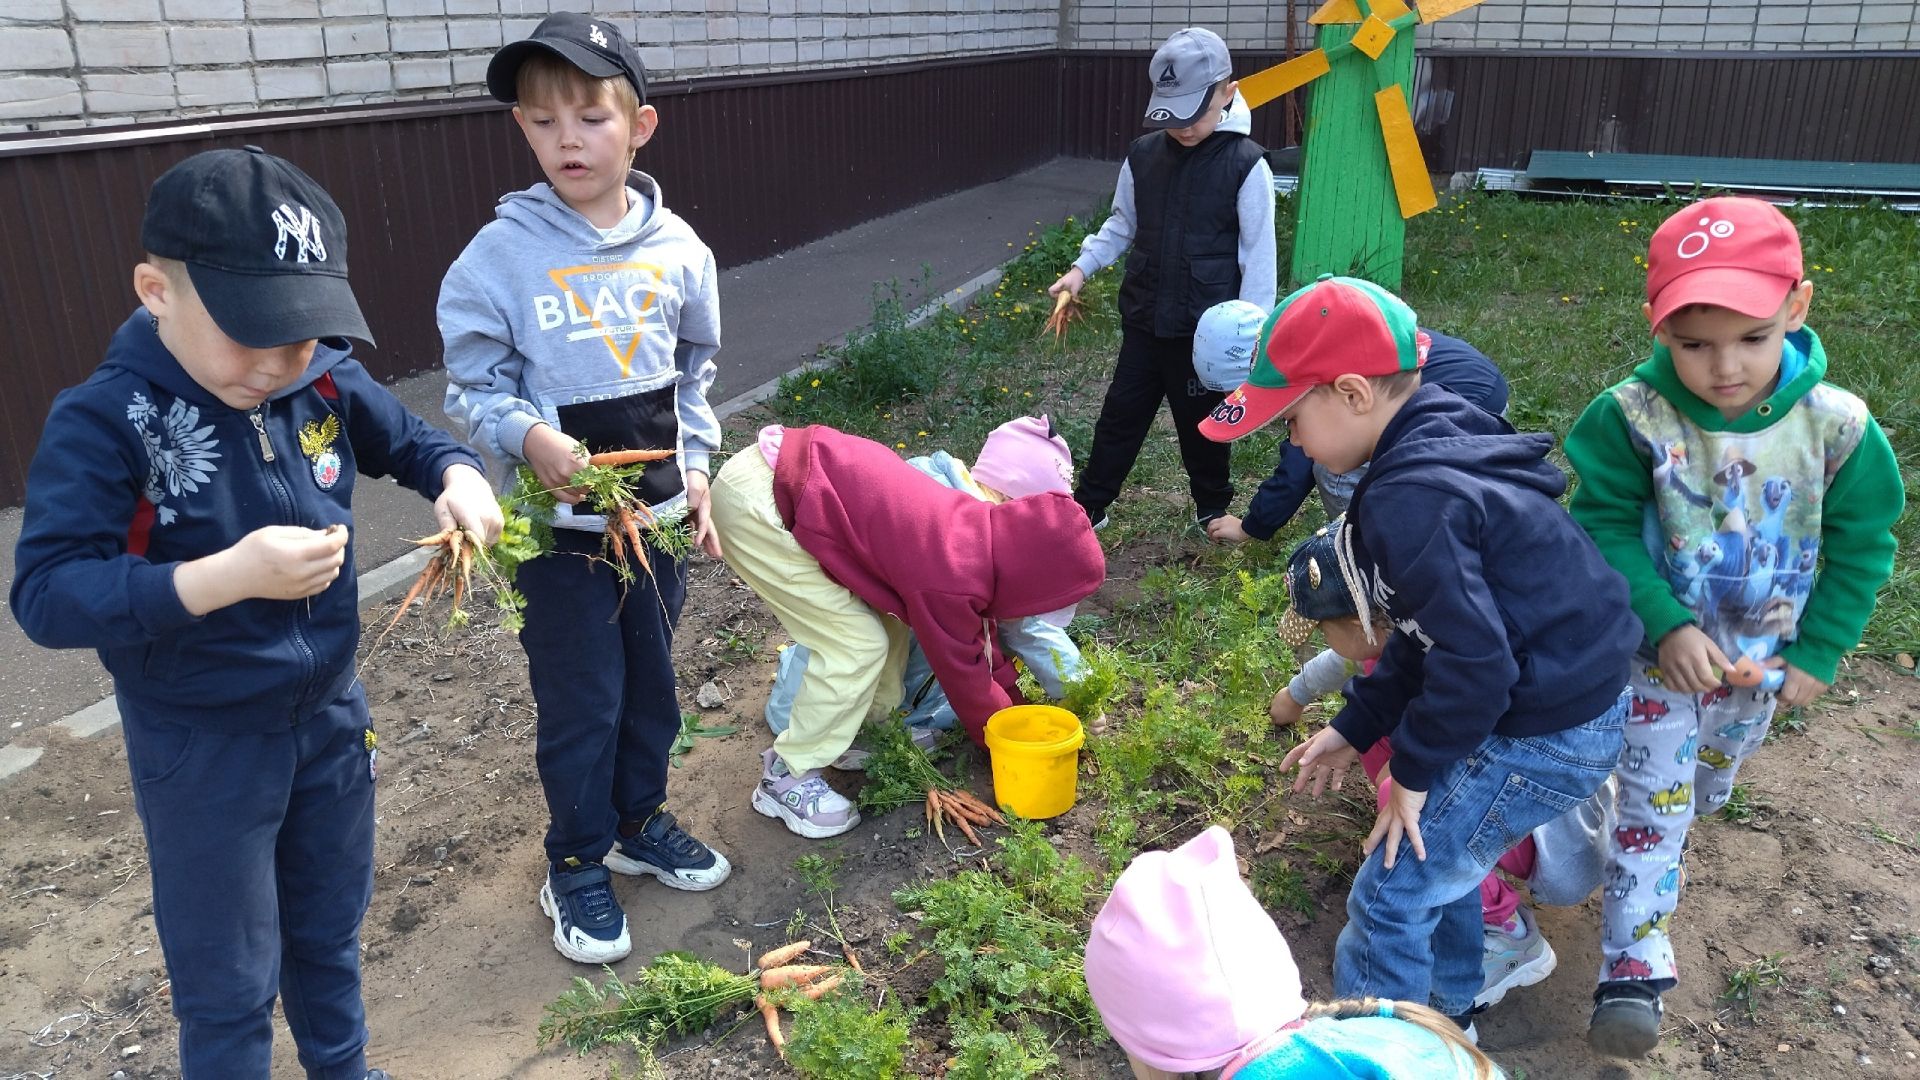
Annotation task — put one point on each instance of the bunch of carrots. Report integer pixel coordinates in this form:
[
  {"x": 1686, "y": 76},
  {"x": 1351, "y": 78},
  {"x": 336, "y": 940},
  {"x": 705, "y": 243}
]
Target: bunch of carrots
[
  {"x": 963, "y": 809},
  {"x": 1067, "y": 309},
  {"x": 680, "y": 993},
  {"x": 779, "y": 972},
  {"x": 627, "y": 514},
  {"x": 456, "y": 552}
]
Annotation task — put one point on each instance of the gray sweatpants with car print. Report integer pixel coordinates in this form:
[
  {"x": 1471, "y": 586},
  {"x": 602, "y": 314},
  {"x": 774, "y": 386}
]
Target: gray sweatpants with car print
[{"x": 1682, "y": 751}]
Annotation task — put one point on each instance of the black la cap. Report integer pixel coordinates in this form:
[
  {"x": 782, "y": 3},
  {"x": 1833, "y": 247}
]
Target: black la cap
[
  {"x": 595, "y": 46},
  {"x": 265, "y": 245}
]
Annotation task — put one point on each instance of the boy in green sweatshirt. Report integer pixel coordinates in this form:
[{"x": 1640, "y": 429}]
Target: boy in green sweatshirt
[{"x": 1749, "y": 504}]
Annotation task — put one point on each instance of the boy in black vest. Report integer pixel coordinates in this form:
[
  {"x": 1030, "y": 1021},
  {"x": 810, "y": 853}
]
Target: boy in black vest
[{"x": 1195, "y": 204}]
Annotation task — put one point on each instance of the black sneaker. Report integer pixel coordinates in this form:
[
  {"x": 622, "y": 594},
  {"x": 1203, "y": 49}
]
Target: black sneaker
[
  {"x": 662, "y": 848},
  {"x": 1626, "y": 1019},
  {"x": 588, "y": 925}
]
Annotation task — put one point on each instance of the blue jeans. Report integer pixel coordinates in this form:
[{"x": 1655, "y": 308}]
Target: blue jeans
[{"x": 1413, "y": 933}]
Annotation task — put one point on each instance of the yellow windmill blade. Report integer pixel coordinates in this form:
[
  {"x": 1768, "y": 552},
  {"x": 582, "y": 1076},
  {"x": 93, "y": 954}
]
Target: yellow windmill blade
[
  {"x": 1341, "y": 12},
  {"x": 1435, "y": 10},
  {"x": 1335, "y": 12},
  {"x": 1411, "y": 184},
  {"x": 1265, "y": 86}
]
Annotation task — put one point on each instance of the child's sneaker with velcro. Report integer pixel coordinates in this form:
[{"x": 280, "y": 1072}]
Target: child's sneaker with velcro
[
  {"x": 1513, "y": 956},
  {"x": 662, "y": 848},
  {"x": 588, "y": 925},
  {"x": 803, "y": 801}
]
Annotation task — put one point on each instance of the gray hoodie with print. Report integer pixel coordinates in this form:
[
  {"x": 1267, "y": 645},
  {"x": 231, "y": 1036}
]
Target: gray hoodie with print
[{"x": 608, "y": 336}]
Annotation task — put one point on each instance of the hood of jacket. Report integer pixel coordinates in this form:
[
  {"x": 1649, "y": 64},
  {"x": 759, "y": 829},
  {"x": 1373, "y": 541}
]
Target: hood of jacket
[{"x": 1439, "y": 431}]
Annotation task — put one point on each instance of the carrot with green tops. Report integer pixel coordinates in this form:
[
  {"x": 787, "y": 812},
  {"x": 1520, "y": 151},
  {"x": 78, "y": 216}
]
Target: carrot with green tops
[{"x": 771, "y": 1014}]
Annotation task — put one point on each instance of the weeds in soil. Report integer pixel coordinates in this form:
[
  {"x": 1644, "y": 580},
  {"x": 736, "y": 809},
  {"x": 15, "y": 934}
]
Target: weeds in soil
[
  {"x": 1746, "y": 981},
  {"x": 1280, "y": 887},
  {"x": 1009, "y": 940},
  {"x": 1740, "y": 805},
  {"x": 691, "y": 729}
]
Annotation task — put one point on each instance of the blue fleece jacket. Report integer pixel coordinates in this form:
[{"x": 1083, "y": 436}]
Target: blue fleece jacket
[
  {"x": 1507, "y": 620},
  {"x": 1451, "y": 363},
  {"x": 140, "y": 469}
]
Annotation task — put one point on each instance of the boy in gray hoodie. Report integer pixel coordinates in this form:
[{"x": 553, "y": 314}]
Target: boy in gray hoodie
[{"x": 585, "y": 318}]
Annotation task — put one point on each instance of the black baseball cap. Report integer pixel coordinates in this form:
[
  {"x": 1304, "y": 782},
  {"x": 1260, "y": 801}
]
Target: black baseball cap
[
  {"x": 264, "y": 243},
  {"x": 595, "y": 46}
]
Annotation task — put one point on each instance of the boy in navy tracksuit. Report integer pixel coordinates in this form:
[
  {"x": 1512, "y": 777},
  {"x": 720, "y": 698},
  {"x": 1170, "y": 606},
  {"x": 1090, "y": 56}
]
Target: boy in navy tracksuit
[
  {"x": 585, "y": 318},
  {"x": 188, "y": 516},
  {"x": 1194, "y": 204},
  {"x": 1504, "y": 700}
]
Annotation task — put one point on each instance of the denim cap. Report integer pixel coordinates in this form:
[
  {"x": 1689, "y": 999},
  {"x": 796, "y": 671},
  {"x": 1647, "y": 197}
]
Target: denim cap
[
  {"x": 1185, "y": 966},
  {"x": 1316, "y": 589}
]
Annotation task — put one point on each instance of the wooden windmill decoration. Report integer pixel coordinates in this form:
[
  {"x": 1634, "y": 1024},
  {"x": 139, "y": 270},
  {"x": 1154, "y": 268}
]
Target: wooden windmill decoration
[{"x": 1362, "y": 159}]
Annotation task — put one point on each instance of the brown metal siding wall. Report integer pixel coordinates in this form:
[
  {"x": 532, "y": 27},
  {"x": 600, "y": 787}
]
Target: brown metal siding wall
[
  {"x": 1104, "y": 93},
  {"x": 1817, "y": 108},
  {"x": 757, "y": 166}
]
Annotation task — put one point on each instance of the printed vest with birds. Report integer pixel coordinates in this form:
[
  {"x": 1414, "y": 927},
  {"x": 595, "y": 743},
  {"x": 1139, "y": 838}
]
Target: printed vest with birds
[{"x": 1734, "y": 525}]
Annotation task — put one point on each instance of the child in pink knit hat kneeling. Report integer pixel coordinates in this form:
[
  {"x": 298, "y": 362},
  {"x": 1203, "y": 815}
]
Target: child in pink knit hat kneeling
[{"x": 1192, "y": 978}]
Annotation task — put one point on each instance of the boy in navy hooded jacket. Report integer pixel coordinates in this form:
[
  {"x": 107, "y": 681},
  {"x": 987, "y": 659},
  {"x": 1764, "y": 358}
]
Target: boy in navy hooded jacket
[
  {"x": 188, "y": 516},
  {"x": 1504, "y": 698}
]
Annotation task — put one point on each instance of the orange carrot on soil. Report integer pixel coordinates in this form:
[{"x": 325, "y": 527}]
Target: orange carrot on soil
[
  {"x": 823, "y": 987},
  {"x": 791, "y": 975},
  {"x": 774, "y": 958},
  {"x": 853, "y": 961},
  {"x": 628, "y": 457},
  {"x": 771, "y": 1015}
]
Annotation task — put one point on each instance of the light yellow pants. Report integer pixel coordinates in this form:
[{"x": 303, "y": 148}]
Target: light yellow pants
[{"x": 859, "y": 655}]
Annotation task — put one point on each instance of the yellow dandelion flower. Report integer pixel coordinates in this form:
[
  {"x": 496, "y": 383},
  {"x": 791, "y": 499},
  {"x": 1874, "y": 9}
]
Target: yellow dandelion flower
[
  {"x": 815, "y": 383},
  {"x": 899, "y": 446},
  {"x": 797, "y": 397},
  {"x": 922, "y": 434},
  {"x": 1026, "y": 393}
]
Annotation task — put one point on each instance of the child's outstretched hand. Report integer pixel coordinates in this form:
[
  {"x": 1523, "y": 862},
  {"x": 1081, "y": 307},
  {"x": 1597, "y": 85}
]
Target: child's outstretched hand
[
  {"x": 700, "y": 513},
  {"x": 1800, "y": 688},
  {"x": 1689, "y": 660},
  {"x": 1072, "y": 281},
  {"x": 1400, "y": 816},
  {"x": 467, "y": 501},
  {"x": 1324, "y": 757},
  {"x": 1226, "y": 529}
]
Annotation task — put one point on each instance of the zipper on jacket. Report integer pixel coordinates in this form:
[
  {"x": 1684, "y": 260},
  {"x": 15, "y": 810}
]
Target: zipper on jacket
[{"x": 259, "y": 418}]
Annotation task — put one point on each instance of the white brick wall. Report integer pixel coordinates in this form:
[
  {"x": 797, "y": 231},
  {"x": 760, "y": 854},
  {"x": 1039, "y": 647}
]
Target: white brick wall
[
  {"x": 1736, "y": 25},
  {"x": 87, "y": 62}
]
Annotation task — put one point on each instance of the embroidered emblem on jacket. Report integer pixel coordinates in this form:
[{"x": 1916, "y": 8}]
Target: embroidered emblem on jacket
[
  {"x": 179, "y": 456},
  {"x": 316, "y": 442}
]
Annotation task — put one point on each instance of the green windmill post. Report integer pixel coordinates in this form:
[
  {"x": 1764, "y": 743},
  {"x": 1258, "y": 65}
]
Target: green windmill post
[
  {"x": 1348, "y": 218},
  {"x": 1362, "y": 173}
]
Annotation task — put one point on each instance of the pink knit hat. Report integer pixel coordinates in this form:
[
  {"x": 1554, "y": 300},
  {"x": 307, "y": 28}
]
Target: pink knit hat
[
  {"x": 1184, "y": 965},
  {"x": 1024, "y": 457}
]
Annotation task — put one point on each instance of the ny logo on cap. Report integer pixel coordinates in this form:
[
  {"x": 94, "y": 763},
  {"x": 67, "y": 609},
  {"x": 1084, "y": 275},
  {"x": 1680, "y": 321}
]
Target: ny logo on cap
[
  {"x": 1168, "y": 78},
  {"x": 594, "y": 35},
  {"x": 305, "y": 230},
  {"x": 1695, "y": 244}
]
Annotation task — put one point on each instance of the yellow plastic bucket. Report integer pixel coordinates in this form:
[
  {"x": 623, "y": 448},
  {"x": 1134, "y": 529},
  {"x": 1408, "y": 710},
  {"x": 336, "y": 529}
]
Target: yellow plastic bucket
[{"x": 1036, "y": 759}]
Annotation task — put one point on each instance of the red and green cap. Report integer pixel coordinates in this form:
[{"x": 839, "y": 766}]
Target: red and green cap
[{"x": 1333, "y": 327}]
